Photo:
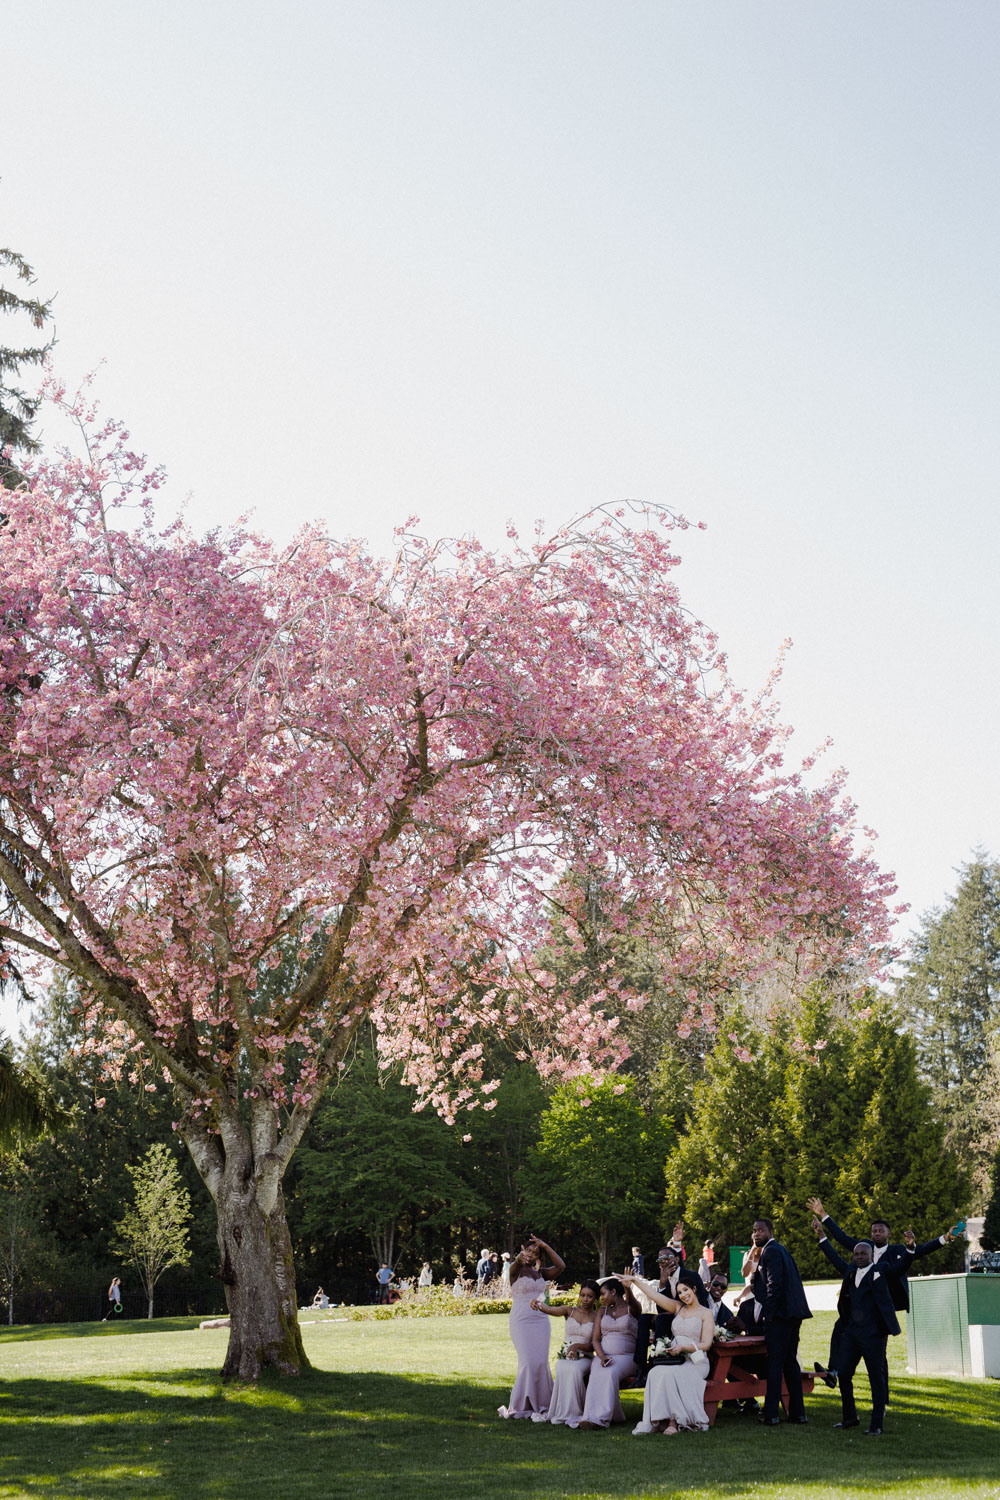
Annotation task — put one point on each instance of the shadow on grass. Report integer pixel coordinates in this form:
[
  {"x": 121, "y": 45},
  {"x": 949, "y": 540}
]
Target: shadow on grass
[
  {"x": 184, "y": 1434},
  {"x": 33, "y": 1333}
]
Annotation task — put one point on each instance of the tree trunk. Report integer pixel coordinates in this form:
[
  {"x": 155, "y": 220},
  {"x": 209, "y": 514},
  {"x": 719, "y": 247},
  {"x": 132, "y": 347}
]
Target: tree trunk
[
  {"x": 259, "y": 1278},
  {"x": 149, "y": 1314},
  {"x": 601, "y": 1237}
]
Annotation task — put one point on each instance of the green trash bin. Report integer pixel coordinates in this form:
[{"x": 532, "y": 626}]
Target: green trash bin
[
  {"x": 953, "y": 1327},
  {"x": 736, "y": 1254}
]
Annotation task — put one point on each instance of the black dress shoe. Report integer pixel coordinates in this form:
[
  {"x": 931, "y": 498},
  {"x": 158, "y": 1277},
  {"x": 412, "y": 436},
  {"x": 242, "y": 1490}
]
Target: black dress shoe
[
  {"x": 838, "y": 1425},
  {"x": 769, "y": 1421},
  {"x": 873, "y": 1432},
  {"x": 799, "y": 1421},
  {"x": 828, "y": 1377}
]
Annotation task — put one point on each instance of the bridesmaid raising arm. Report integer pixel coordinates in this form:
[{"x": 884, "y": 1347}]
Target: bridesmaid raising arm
[{"x": 530, "y": 1330}]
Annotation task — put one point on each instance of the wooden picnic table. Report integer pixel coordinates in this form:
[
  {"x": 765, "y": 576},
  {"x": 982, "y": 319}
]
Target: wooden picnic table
[{"x": 729, "y": 1380}]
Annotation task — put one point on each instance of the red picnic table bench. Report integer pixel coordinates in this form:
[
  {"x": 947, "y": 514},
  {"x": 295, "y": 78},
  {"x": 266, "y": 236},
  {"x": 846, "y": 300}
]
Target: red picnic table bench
[{"x": 729, "y": 1380}]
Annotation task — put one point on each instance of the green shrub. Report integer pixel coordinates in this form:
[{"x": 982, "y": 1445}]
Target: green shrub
[{"x": 429, "y": 1302}]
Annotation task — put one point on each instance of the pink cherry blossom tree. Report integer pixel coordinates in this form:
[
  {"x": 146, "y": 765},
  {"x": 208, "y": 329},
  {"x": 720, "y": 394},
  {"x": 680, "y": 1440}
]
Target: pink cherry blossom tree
[{"x": 252, "y": 796}]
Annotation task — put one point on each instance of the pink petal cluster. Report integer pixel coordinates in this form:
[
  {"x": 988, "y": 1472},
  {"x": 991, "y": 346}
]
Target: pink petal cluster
[{"x": 251, "y": 796}]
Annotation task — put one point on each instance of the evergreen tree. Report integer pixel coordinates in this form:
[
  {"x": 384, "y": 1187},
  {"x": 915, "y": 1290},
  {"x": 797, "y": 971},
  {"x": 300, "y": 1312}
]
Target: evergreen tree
[
  {"x": 26, "y": 1106},
  {"x": 727, "y": 1167},
  {"x": 990, "y": 1237},
  {"x": 17, "y": 408},
  {"x": 77, "y": 1176},
  {"x": 496, "y": 1158},
  {"x": 950, "y": 994},
  {"x": 827, "y": 1106},
  {"x": 26, "y": 1251}
]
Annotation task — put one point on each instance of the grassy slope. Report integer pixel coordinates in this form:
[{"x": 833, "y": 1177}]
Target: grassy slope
[{"x": 407, "y": 1409}]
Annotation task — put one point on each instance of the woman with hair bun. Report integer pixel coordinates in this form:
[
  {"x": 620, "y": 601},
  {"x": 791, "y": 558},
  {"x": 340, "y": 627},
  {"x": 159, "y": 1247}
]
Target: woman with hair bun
[{"x": 573, "y": 1364}]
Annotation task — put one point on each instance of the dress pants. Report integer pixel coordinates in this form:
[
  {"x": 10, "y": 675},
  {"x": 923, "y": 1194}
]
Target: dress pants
[
  {"x": 836, "y": 1346},
  {"x": 858, "y": 1344},
  {"x": 781, "y": 1340},
  {"x": 646, "y": 1321}
]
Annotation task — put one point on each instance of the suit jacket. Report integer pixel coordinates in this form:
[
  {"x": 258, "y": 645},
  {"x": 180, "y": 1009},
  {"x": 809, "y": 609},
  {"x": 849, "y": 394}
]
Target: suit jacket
[
  {"x": 895, "y": 1261},
  {"x": 724, "y": 1317},
  {"x": 777, "y": 1285},
  {"x": 873, "y": 1299}
]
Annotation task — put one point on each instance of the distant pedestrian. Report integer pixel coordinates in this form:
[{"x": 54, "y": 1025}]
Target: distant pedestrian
[
  {"x": 383, "y": 1276},
  {"x": 426, "y": 1277},
  {"x": 505, "y": 1274},
  {"x": 638, "y": 1266},
  {"x": 114, "y": 1300}
]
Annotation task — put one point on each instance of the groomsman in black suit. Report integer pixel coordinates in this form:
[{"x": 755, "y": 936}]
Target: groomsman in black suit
[
  {"x": 867, "y": 1318},
  {"x": 898, "y": 1258},
  {"x": 717, "y": 1289},
  {"x": 894, "y": 1261},
  {"x": 657, "y": 1325},
  {"x": 777, "y": 1287}
]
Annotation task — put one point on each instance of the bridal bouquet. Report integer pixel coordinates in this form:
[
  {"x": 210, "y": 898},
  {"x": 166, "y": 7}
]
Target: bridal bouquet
[{"x": 581, "y": 1354}]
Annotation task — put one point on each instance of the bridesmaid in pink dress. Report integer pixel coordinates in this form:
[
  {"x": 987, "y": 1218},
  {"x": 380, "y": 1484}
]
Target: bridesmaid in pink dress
[
  {"x": 614, "y": 1356},
  {"x": 530, "y": 1330}
]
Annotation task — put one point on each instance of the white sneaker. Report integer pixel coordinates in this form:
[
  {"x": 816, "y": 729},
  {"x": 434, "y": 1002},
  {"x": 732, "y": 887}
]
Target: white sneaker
[
  {"x": 503, "y": 1412},
  {"x": 538, "y": 1416},
  {"x": 642, "y": 1430}
]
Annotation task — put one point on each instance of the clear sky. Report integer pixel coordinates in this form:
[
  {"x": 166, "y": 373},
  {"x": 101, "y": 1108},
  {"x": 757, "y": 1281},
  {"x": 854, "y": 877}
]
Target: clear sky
[{"x": 480, "y": 259}]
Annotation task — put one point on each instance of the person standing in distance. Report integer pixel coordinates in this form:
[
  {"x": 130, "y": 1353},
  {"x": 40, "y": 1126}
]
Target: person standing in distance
[
  {"x": 114, "y": 1299},
  {"x": 777, "y": 1287}
]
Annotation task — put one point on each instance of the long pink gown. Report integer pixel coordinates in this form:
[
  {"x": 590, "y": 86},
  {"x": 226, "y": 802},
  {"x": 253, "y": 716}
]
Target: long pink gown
[
  {"x": 569, "y": 1387},
  {"x": 531, "y": 1334},
  {"x": 677, "y": 1392},
  {"x": 618, "y": 1341}
]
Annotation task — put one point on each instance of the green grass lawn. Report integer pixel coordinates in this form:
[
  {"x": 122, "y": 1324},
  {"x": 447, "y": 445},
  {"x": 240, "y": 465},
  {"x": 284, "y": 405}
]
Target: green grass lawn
[{"x": 407, "y": 1409}]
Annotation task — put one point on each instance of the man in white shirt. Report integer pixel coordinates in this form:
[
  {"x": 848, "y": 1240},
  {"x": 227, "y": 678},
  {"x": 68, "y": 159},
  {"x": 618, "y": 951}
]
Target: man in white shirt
[
  {"x": 867, "y": 1317},
  {"x": 896, "y": 1261}
]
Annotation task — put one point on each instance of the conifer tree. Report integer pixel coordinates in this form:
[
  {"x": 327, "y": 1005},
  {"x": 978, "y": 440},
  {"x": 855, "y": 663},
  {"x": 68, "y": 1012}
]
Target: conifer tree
[
  {"x": 950, "y": 994},
  {"x": 17, "y": 408},
  {"x": 825, "y": 1106},
  {"x": 727, "y": 1168},
  {"x": 990, "y": 1237}
]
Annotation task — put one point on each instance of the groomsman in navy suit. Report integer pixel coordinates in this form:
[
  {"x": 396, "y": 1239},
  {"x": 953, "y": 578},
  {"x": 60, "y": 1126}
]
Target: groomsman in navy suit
[
  {"x": 894, "y": 1261},
  {"x": 777, "y": 1287},
  {"x": 867, "y": 1318}
]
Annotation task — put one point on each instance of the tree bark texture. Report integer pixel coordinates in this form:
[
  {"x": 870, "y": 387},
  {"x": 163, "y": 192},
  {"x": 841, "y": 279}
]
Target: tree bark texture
[{"x": 259, "y": 1278}]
